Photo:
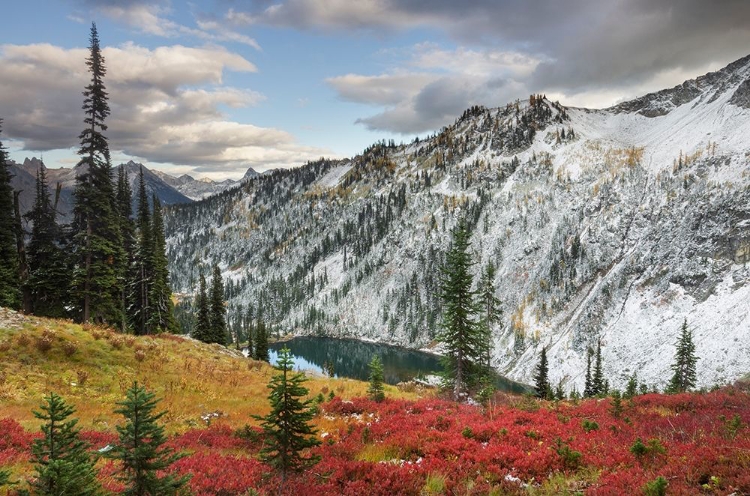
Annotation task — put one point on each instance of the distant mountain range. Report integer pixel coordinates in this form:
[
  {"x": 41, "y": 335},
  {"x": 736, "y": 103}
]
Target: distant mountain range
[{"x": 169, "y": 189}]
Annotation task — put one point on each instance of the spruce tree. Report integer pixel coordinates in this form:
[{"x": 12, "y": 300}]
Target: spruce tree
[
  {"x": 10, "y": 294},
  {"x": 632, "y": 388},
  {"x": 491, "y": 313},
  {"x": 48, "y": 271},
  {"x": 287, "y": 427},
  {"x": 161, "y": 314},
  {"x": 124, "y": 199},
  {"x": 684, "y": 373},
  {"x": 460, "y": 332},
  {"x": 588, "y": 388},
  {"x": 63, "y": 466},
  {"x": 143, "y": 266},
  {"x": 141, "y": 447},
  {"x": 261, "y": 342},
  {"x": 97, "y": 238},
  {"x": 249, "y": 330},
  {"x": 598, "y": 383},
  {"x": 542, "y": 386},
  {"x": 217, "y": 309},
  {"x": 202, "y": 331},
  {"x": 375, "y": 389}
]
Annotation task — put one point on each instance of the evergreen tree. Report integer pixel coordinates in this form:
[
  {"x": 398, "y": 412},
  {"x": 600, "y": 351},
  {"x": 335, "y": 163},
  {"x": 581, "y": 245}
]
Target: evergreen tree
[
  {"x": 202, "y": 331},
  {"x": 261, "y": 342},
  {"x": 10, "y": 294},
  {"x": 287, "y": 427},
  {"x": 144, "y": 257},
  {"x": 460, "y": 332},
  {"x": 97, "y": 238},
  {"x": 140, "y": 448},
  {"x": 491, "y": 313},
  {"x": 632, "y": 388},
  {"x": 588, "y": 388},
  {"x": 542, "y": 386},
  {"x": 375, "y": 390},
  {"x": 161, "y": 308},
  {"x": 5, "y": 478},
  {"x": 217, "y": 309},
  {"x": 598, "y": 384},
  {"x": 684, "y": 377},
  {"x": 48, "y": 271},
  {"x": 249, "y": 330},
  {"x": 61, "y": 462},
  {"x": 124, "y": 199}
]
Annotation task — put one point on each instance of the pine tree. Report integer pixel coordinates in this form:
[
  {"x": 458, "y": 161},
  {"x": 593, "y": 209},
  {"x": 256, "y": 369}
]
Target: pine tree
[
  {"x": 48, "y": 271},
  {"x": 143, "y": 267},
  {"x": 541, "y": 376},
  {"x": 140, "y": 448},
  {"x": 261, "y": 342},
  {"x": 161, "y": 311},
  {"x": 598, "y": 385},
  {"x": 287, "y": 427},
  {"x": 217, "y": 309},
  {"x": 202, "y": 331},
  {"x": 632, "y": 388},
  {"x": 61, "y": 462},
  {"x": 588, "y": 388},
  {"x": 10, "y": 294},
  {"x": 375, "y": 390},
  {"x": 491, "y": 313},
  {"x": 97, "y": 238},
  {"x": 460, "y": 332},
  {"x": 249, "y": 330},
  {"x": 684, "y": 377},
  {"x": 124, "y": 199}
]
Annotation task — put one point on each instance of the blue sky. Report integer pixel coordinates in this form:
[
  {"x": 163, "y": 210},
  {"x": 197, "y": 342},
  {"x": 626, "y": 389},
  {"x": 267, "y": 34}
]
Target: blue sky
[{"x": 213, "y": 87}]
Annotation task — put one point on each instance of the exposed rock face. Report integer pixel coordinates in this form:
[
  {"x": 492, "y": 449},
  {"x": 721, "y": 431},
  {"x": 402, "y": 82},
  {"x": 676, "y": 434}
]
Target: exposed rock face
[{"x": 611, "y": 225}]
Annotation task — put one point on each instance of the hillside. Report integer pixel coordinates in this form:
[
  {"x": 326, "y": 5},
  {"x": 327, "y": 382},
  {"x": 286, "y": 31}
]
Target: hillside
[
  {"x": 695, "y": 442},
  {"x": 608, "y": 225}
]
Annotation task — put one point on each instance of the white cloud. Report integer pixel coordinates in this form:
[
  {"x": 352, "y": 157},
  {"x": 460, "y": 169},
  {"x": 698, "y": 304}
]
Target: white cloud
[{"x": 166, "y": 106}]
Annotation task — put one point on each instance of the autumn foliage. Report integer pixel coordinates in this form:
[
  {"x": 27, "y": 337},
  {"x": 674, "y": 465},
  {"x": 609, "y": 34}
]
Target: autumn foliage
[{"x": 698, "y": 443}]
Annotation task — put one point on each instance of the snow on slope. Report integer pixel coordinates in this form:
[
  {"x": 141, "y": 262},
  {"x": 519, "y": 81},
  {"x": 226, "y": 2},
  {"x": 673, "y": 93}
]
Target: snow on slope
[{"x": 618, "y": 231}]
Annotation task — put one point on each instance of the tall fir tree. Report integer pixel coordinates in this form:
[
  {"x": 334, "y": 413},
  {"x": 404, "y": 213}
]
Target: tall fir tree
[
  {"x": 124, "y": 199},
  {"x": 61, "y": 461},
  {"x": 161, "y": 314},
  {"x": 97, "y": 239},
  {"x": 48, "y": 270},
  {"x": 588, "y": 388},
  {"x": 542, "y": 388},
  {"x": 598, "y": 383},
  {"x": 10, "y": 293},
  {"x": 202, "y": 331},
  {"x": 684, "y": 375},
  {"x": 249, "y": 330},
  {"x": 492, "y": 313},
  {"x": 217, "y": 310},
  {"x": 261, "y": 342},
  {"x": 143, "y": 263},
  {"x": 287, "y": 426},
  {"x": 460, "y": 332},
  {"x": 145, "y": 460},
  {"x": 375, "y": 390}
]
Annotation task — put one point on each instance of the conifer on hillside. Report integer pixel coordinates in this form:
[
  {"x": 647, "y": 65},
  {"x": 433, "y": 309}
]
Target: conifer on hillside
[
  {"x": 598, "y": 384},
  {"x": 460, "y": 332},
  {"x": 684, "y": 375},
  {"x": 492, "y": 312},
  {"x": 288, "y": 428},
  {"x": 97, "y": 238},
  {"x": 217, "y": 310},
  {"x": 161, "y": 308},
  {"x": 10, "y": 295},
  {"x": 261, "y": 342},
  {"x": 375, "y": 390},
  {"x": 143, "y": 267},
  {"x": 61, "y": 460},
  {"x": 145, "y": 460},
  {"x": 124, "y": 198},
  {"x": 542, "y": 388},
  {"x": 202, "y": 330}
]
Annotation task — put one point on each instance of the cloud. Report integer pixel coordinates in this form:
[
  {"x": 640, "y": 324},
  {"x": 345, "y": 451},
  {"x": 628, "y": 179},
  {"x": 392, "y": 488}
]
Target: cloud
[
  {"x": 166, "y": 106},
  {"x": 582, "y": 46}
]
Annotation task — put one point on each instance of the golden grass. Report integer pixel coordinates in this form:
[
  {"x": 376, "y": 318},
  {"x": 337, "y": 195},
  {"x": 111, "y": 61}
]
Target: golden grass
[{"x": 91, "y": 368}]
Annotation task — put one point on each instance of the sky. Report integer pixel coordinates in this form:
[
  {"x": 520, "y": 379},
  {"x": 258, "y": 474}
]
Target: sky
[{"x": 211, "y": 88}]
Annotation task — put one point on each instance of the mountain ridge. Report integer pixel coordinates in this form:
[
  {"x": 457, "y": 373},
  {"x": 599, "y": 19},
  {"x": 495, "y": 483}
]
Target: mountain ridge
[{"x": 606, "y": 225}]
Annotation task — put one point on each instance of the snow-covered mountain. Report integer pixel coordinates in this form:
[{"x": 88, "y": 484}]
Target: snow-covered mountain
[
  {"x": 608, "y": 225},
  {"x": 198, "y": 189}
]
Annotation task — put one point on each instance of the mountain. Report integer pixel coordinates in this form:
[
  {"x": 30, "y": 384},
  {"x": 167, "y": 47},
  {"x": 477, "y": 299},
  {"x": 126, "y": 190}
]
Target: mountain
[
  {"x": 198, "y": 189},
  {"x": 610, "y": 225},
  {"x": 24, "y": 180}
]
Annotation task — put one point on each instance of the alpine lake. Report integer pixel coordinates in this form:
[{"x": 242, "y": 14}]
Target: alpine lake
[{"x": 351, "y": 358}]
